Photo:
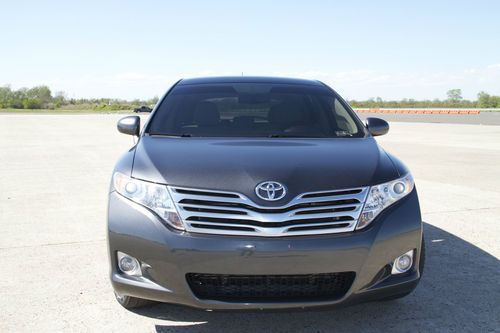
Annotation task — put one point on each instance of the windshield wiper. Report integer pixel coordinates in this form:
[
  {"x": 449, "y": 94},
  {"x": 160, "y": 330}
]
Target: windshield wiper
[
  {"x": 182, "y": 135},
  {"x": 292, "y": 136}
]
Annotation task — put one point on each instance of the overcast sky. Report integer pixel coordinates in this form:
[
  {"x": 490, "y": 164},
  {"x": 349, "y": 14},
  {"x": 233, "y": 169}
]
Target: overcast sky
[{"x": 137, "y": 49}]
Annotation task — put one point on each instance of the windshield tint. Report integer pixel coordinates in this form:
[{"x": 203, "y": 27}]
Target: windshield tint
[{"x": 253, "y": 110}]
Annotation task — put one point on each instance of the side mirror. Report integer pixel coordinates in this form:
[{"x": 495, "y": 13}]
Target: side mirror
[
  {"x": 377, "y": 126},
  {"x": 130, "y": 125}
]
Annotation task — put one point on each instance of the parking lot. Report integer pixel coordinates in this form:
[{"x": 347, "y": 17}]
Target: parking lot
[{"x": 54, "y": 175}]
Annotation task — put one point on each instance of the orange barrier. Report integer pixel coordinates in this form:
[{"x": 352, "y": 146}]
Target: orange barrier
[{"x": 421, "y": 111}]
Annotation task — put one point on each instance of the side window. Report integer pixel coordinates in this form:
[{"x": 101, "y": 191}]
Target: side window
[{"x": 344, "y": 120}]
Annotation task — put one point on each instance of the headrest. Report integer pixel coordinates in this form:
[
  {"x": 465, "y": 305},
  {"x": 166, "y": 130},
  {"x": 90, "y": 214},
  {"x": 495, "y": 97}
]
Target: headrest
[
  {"x": 206, "y": 114},
  {"x": 286, "y": 113}
]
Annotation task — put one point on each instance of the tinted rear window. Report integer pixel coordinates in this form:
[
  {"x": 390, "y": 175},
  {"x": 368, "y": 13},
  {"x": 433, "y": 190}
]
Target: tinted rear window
[{"x": 253, "y": 110}]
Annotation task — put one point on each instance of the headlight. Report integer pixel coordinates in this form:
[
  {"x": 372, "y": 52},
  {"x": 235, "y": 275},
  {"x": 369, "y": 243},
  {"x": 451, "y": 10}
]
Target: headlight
[
  {"x": 382, "y": 196},
  {"x": 150, "y": 195}
]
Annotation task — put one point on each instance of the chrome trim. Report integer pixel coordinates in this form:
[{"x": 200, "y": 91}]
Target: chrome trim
[
  {"x": 232, "y": 213},
  {"x": 395, "y": 270}
]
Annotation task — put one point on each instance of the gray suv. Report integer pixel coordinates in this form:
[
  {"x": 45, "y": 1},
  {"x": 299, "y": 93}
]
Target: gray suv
[{"x": 260, "y": 193}]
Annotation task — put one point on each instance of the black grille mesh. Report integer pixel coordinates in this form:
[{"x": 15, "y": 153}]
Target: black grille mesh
[{"x": 270, "y": 288}]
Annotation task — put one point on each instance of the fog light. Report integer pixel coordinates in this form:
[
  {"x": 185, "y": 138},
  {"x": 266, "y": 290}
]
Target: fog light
[
  {"x": 402, "y": 263},
  {"x": 128, "y": 264}
]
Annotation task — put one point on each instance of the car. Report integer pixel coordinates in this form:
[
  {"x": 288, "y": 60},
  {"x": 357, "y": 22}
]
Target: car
[
  {"x": 260, "y": 193},
  {"x": 143, "y": 108}
]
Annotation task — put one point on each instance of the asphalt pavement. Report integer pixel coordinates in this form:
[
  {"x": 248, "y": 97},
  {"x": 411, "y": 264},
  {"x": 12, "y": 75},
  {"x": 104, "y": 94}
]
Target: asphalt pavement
[{"x": 484, "y": 118}]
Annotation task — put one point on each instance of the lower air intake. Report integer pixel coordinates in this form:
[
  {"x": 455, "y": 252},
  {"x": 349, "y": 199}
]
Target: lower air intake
[{"x": 270, "y": 288}]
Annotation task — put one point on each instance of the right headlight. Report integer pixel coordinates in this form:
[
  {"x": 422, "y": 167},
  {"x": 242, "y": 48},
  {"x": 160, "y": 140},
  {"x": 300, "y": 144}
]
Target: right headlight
[
  {"x": 382, "y": 196},
  {"x": 150, "y": 195}
]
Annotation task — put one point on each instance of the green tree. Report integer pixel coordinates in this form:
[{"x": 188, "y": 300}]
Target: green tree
[
  {"x": 483, "y": 100},
  {"x": 32, "y": 103},
  {"x": 494, "y": 102},
  {"x": 454, "y": 95},
  {"x": 154, "y": 100},
  {"x": 41, "y": 94},
  {"x": 5, "y": 96},
  {"x": 59, "y": 99}
]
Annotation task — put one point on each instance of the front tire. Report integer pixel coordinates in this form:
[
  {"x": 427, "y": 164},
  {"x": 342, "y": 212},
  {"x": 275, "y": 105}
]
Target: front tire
[
  {"x": 421, "y": 263},
  {"x": 129, "y": 302}
]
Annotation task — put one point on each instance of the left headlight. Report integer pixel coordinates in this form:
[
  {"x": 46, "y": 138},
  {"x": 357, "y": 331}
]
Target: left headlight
[
  {"x": 382, "y": 196},
  {"x": 150, "y": 195}
]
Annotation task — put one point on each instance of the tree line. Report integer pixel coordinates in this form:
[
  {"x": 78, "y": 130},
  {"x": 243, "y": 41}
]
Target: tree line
[
  {"x": 41, "y": 97},
  {"x": 454, "y": 100}
]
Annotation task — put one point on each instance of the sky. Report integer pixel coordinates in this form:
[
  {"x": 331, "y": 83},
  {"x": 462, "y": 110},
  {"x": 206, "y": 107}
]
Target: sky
[{"x": 137, "y": 49}]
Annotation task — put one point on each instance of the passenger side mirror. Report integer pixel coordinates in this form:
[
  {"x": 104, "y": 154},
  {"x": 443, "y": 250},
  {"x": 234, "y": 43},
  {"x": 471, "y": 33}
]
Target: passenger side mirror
[
  {"x": 377, "y": 126},
  {"x": 130, "y": 125}
]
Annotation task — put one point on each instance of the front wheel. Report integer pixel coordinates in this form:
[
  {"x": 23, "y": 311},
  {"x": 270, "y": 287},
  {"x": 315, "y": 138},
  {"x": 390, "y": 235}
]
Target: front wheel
[{"x": 129, "y": 302}]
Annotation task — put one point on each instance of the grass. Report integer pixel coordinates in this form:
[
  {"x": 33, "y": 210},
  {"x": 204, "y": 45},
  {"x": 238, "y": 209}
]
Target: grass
[{"x": 63, "y": 111}]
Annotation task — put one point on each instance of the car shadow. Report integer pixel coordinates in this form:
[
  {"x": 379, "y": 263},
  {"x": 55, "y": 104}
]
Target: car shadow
[{"x": 459, "y": 291}]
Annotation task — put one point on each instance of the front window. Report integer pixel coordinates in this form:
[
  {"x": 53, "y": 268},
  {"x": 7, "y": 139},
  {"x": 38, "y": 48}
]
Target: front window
[{"x": 254, "y": 110}]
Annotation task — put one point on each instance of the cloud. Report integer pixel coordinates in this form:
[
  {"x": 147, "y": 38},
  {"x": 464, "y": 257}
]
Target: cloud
[
  {"x": 358, "y": 83},
  {"x": 367, "y": 83}
]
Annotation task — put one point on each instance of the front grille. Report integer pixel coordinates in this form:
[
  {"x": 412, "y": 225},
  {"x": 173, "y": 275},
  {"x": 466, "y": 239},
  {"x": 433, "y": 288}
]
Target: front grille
[
  {"x": 270, "y": 288},
  {"x": 231, "y": 213}
]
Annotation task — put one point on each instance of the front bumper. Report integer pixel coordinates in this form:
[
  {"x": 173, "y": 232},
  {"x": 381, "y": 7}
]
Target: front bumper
[{"x": 169, "y": 255}]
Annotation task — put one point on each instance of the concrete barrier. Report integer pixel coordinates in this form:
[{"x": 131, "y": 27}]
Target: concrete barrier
[{"x": 418, "y": 111}]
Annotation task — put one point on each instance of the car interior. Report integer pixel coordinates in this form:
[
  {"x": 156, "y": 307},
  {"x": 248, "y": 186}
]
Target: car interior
[{"x": 228, "y": 117}]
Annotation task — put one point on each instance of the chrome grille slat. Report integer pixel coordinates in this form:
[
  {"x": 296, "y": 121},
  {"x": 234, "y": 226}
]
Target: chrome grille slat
[
  {"x": 231, "y": 213},
  {"x": 294, "y": 211},
  {"x": 235, "y": 209},
  {"x": 266, "y": 224},
  {"x": 208, "y": 198},
  {"x": 332, "y": 198},
  {"x": 274, "y": 217},
  {"x": 280, "y": 231}
]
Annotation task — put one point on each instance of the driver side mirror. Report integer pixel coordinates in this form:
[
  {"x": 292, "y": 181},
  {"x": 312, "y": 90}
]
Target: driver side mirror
[
  {"x": 377, "y": 126},
  {"x": 130, "y": 125}
]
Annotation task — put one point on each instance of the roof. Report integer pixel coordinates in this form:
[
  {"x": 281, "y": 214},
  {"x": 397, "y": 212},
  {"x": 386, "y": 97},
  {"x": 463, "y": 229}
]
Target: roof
[{"x": 248, "y": 79}]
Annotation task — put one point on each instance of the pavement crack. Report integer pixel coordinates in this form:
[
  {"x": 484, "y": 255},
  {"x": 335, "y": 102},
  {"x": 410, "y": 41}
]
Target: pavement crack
[
  {"x": 460, "y": 210},
  {"x": 51, "y": 244}
]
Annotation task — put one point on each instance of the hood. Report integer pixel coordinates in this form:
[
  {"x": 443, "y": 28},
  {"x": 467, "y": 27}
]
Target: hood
[{"x": 238, "y": 165}]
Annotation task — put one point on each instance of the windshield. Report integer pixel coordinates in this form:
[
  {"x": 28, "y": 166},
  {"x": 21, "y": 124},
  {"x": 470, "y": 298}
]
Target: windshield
[{"x": 253, "y": 110}]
